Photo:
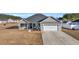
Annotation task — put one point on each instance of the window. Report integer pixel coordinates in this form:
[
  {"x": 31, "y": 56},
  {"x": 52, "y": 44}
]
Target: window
[{"x": 22, "y": 25}]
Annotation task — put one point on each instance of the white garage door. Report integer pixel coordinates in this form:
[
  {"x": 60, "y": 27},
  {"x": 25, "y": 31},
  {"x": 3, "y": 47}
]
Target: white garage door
[{"x": 49, "y": 28}]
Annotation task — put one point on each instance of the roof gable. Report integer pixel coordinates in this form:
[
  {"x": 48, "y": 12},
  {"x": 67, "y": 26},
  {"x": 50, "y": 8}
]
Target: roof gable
[
  {"x": 23, "y": 21},
  {"x": 49, "y": 19}
]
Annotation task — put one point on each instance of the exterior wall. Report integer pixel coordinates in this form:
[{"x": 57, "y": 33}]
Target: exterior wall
[
  {"x": 22, "y": 26},
  {"x": 42, "y": 26}
]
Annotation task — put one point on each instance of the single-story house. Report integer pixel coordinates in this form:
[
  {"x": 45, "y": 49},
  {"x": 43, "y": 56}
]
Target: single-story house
[
  {"x": 71, "y": 24},
  {"x": 40, "y": 22},
  {"x": 11, "y": 20},
  {"x": 7, "y": 20}
]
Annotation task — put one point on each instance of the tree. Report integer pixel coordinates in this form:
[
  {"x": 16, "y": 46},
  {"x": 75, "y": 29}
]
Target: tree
[
  {"x": 60, "y": 18},
  {"x": 71, "y": 16},
  {"x": 4, "y": 16}
]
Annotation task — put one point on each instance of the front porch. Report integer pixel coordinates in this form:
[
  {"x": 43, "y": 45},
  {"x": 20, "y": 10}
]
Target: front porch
[{"x": 29, "y": 26}]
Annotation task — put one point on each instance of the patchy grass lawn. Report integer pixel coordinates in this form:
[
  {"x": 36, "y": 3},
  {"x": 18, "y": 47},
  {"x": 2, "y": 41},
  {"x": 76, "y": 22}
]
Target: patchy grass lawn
[
  {"x": 11, "y": 36},
  {"x": 73, "y": 33},
  {"x": 14, "y": 36}
]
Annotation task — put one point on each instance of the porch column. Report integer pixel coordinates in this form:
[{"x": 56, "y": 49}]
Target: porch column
[
  {"x": 39, "y": 26},
  {"x": 27, "y": 26},
  {"x": 19, "y": 25},
  {"x": 36, "y": 27},
  {"x": 32, "y": 26}
]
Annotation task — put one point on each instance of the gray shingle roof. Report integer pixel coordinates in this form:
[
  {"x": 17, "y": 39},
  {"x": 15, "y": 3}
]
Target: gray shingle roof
[{"x": 36, "y": 18}]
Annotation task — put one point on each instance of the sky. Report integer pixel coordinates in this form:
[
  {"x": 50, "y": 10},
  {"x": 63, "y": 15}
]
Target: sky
[{"x": 25, "y": 15}]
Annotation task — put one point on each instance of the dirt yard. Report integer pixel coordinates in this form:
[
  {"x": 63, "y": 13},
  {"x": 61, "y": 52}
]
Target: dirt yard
[
  {"x": 73, "y": 33},
  {"x": 7, "y": 25},
  {"x": 18, "y": 37},
  {"x": 13, "y": 36}
]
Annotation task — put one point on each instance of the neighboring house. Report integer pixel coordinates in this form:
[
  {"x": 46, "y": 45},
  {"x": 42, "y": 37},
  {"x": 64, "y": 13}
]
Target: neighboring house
[
  {"x": 71, "y": 24},
  {"x": 3, "y": 20},
  {"x": 7, "y": 20},
  {"x": 39, "y": 22},
  {"x": 11, "y": 20}
]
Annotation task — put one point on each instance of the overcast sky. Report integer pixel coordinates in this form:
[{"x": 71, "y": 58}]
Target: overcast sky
[{"x": 25, "y": 15}]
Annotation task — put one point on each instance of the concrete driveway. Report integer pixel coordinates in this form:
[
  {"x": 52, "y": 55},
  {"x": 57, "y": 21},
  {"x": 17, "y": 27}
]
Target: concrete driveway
[{"x": 58, "y": 38}]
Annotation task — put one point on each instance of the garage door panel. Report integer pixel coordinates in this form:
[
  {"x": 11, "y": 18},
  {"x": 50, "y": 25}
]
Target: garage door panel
[{"x": 49, "y": 28}]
